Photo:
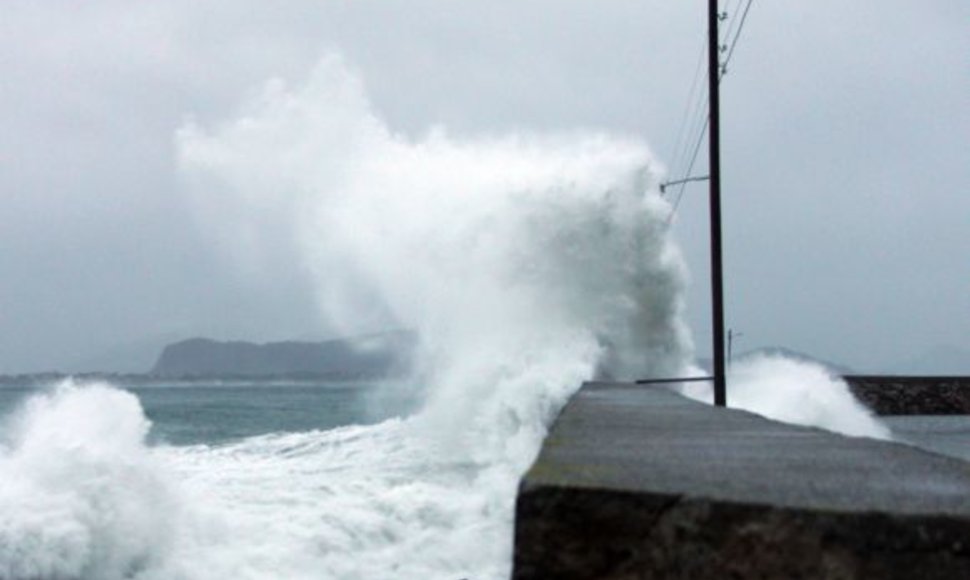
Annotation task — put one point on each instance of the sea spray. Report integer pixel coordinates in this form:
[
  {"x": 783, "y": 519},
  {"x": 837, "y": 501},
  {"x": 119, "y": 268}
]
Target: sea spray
[
  {"x": 80, "y": 497},
  {"x": 524, "y": 262},
  {"x": 795, "y": 391}
]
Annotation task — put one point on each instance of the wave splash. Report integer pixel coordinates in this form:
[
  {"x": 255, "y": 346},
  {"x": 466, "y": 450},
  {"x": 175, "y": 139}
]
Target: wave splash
[
  {"x": 526, "y": 264},
  {"x": 794, "y": 391},
  {"x": 80, "y": 496}
]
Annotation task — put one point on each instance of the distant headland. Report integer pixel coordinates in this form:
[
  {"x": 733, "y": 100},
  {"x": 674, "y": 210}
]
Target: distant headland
[{"x": 371, "y": 356}]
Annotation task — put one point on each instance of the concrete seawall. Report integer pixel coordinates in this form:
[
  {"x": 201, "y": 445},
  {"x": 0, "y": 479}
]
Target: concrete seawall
[{"x": 636, "y": 482}]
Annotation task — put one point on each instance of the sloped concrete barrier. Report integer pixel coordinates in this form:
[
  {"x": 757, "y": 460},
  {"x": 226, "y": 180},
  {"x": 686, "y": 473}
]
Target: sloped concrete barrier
[{"x": 636, "y": 482}]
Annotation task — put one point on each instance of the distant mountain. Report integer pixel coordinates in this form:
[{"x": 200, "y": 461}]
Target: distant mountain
[{"x": 370, "y": 356}]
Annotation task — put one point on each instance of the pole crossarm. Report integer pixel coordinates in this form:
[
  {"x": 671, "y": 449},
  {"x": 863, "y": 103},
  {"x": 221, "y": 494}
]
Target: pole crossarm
[
  {"x": 666, "y": 184},
  {"x": 671, "y": 380}
]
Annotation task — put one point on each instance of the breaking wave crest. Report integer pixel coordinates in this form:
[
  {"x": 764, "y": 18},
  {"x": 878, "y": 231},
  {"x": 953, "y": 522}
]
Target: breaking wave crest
[{"x": 80, "y": 496}]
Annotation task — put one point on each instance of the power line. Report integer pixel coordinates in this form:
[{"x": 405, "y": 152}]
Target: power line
[
  {"x": 698, "y": 114},
  {"x": 734, "y": 42},
  {"x": 695, "y": 111},
  {"x": 702, "y": 132},
  {"x": 690, "y": 167},
  {"x": 730, "y": 27},
  {"x": 680, "y": 146}
]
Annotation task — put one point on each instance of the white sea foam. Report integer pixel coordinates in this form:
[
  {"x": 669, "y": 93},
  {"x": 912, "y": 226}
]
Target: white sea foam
[
  {"x": 526, "y": 263},
  {"x": 80, "y": 496},
  {"x": 798, "y": 392}
]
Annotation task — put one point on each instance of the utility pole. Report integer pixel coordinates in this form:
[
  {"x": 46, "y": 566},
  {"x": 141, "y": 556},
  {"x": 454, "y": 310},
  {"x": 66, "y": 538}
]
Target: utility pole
[{"x": 714, "y": 138}]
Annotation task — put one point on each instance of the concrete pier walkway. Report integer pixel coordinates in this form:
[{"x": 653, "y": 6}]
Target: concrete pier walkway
[{"x": 639, "y": 482}]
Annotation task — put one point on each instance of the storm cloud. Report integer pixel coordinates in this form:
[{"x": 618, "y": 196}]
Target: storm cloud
[{"x": 845, "y": 139}]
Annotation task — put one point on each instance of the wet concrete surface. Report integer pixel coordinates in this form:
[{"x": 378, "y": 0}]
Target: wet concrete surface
[
  {"x": 677, "y": 486},
  {"x": 614, "y": 435}
]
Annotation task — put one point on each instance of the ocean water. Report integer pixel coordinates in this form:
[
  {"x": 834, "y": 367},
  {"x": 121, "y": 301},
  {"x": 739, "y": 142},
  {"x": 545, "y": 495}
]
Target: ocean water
[
  {"x": 212, "y": 481},
  {"x": 219, "y": 412}
]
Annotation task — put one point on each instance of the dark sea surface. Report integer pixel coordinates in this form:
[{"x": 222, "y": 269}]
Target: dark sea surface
[{"x": 216, "y": 412}]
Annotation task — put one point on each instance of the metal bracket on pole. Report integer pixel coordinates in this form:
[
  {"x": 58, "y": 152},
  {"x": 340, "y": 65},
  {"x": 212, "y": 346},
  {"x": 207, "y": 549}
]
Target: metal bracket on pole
[
  {"x": 666, "y": 184},
  {"x": 683, "y": 380}
]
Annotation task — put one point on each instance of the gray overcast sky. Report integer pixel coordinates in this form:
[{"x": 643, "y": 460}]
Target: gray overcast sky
[{"x": 846, "y": 135}]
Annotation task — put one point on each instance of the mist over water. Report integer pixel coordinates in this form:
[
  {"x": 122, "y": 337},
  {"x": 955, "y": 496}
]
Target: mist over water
[{"x": 526, "y": 263}]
